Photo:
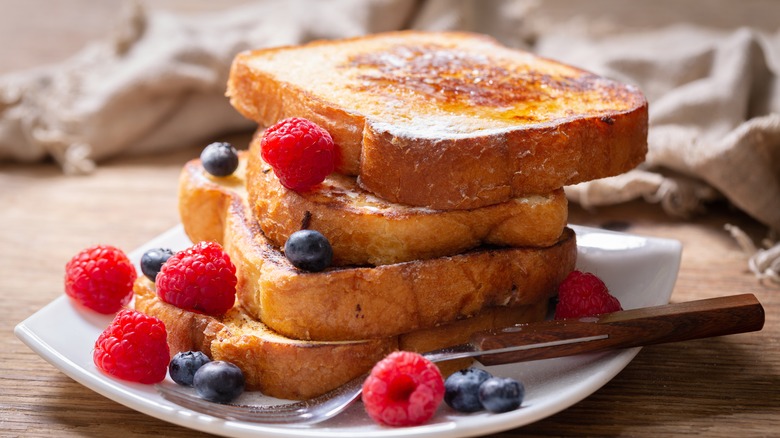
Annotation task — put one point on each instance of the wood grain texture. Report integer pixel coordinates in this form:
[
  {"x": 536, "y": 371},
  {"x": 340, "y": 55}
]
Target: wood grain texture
[{"x": 718, "y": 387}]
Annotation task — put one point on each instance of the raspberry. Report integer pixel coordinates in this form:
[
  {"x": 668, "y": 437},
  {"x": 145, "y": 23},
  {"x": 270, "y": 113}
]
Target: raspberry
[
  {"x": 200, "y": 278},
  {"x": 133, "y": 348},
  {"x": 403, "y": 389},
  {"x": 101, "y": 278},
  {"x": 300, "y": 152},
  {"x": 584, "y": 294}
]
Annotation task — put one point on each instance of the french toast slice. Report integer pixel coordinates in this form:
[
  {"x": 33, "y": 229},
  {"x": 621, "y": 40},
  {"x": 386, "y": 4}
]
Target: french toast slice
[
  {"x": 350, "y": 303},
  {"x": 366, "y": 230},
  {"x": 447, "y": 120},
  {"x": 288, "y": 368}
]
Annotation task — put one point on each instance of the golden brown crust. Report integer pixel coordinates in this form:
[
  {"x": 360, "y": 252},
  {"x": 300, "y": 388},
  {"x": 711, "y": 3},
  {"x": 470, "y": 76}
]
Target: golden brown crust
[
  {"x": 529, "y": 161},
  {"x": 292, "y": 369},
  {"x": 363, "y": 302},
  {"x": 392, "y": 299},
  {"x": 277, "y": 366},
  {"x": 366, "y": 230},
  {"x": 448, "y": 120}
]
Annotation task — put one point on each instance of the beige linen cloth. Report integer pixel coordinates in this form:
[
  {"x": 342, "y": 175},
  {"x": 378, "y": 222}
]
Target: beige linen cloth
[{"x": 709, "y": 69}]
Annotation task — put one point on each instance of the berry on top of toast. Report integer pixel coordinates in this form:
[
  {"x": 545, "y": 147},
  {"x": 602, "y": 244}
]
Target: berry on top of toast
[
  {"x": 301, "y": 153},
  {"x": 200, "y": 278}
]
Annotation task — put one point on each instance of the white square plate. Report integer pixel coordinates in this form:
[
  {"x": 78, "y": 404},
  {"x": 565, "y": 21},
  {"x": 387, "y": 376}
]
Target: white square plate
[{"x": 640, "y": 271}]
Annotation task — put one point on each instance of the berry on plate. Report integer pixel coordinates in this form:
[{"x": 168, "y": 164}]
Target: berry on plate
[
  {"x": 219, "y": 381},
  {"x": 185, "y": 364},
  {"x": 219, "y": 159},
  {"x": 152, "y": 261},
  {"x": 501, "y": 394},
  {"x": 403, "y": 389},
  {"x": 461, "y": 389},
  {"x": 133, "y": 347},
  {"x": 300, "y": 152},
  {"x": 584, "y": 294},
  {"x": 309, "y": 250},
  {"x": 200, "y": 278},
  {"x": 101, "y": 278}
]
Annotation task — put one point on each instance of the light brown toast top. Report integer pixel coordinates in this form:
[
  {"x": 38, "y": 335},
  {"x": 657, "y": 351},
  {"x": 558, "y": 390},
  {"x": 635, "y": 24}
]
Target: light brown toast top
[{"x": 447, "y": 120}]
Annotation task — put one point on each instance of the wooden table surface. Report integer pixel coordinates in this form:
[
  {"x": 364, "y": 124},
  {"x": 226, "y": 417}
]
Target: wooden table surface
[{"x": 720, "y": 387}]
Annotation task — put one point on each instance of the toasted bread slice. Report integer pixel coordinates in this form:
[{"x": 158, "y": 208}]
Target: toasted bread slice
[
  {"x": 273, "y": 364},
  {"x": 349, "y": 303},
  {"x": 293, "y": 369},
  {"x": 448, "y": 120},
  {"x": 366, "y": 230}
]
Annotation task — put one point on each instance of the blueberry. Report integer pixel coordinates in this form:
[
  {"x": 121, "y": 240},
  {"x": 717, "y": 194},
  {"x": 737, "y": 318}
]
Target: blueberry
[
  {"x": 309, "y": 250},
  {"x": 219, "y": 159},
  {"x": 184, "y": 365},
  {"x": 219, "y": 381},
  {"x": 152, "y": 261},
  {"x": 461, "y": 389},
  {"x": 499, "y": 394}
]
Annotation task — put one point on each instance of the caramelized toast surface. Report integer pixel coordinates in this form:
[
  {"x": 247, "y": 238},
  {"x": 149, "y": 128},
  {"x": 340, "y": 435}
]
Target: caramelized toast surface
[
  {"x": 448, "y": 120},
  {"x": 293, "y": 369},
  {"x": 366, "y": 230},
  {"x": 349, "y": 303}
]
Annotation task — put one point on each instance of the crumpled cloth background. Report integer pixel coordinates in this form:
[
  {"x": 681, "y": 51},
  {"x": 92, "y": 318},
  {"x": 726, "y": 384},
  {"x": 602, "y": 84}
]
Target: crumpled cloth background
[{"x": 710, "y": 70}]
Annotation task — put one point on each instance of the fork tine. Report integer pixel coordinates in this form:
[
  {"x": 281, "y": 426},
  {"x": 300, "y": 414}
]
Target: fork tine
[
  {"x": 281, "y": 414},
  {"x": 304, "y": 412}
]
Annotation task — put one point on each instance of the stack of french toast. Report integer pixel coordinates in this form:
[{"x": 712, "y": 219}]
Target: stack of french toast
[{"x": 446, "y": 212}]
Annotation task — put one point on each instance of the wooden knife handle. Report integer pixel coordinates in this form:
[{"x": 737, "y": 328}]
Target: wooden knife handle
[{"x": 625, "y": 329}]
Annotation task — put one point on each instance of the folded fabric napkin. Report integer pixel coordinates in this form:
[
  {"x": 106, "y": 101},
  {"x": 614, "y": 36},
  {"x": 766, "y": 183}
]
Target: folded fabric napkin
[{"x": 158, "y": 84}]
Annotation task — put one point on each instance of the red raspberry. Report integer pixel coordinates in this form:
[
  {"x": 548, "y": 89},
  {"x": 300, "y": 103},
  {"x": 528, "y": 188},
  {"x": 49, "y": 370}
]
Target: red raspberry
[
  {"x": 201, "y": 278},
  {"x": 133, "y": 347},
  {"x": 101, "y": 278},
  {"x": 403, "y": 389},
  {"x": 301, "y": 153},
  {"x": 584, "y": 294}
]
